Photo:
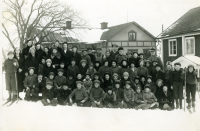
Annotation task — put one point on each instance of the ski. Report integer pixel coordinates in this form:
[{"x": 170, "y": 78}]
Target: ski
[
  {"x": 189, "y": 109},
  {"x": 11, "y": 103},
  {"x": 6, "y": 102}
]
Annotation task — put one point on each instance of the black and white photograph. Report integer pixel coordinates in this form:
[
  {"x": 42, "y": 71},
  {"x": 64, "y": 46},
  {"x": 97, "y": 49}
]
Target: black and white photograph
[{"x": 100, "y": 65}]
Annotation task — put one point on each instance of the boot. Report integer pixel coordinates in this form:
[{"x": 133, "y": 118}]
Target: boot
[
  {"x": 181, "y": 107},
  {"x": 177, "y": 104},
  {"x": 193, "y": 104},
  {"x": 9, "y": 98},
  {"x": 44, "y": 102},
  {"x": 14, "y": 98},
  {"x": 27, "y": 97}
]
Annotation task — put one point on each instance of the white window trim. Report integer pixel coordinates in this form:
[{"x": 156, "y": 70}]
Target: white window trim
[
  {"x": 169, "y": 47},
  {"x": 186, "y": 44}
]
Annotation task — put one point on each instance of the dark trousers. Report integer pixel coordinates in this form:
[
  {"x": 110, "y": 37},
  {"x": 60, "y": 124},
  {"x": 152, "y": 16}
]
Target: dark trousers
[
  {"x": 190, "y": 90},
  {"x": 10, "y": 81},
  {"x": 178, "y": 92}
]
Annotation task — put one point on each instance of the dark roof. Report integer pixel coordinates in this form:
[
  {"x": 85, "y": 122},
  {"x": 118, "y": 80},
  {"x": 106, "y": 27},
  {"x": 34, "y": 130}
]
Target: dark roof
[
  {"x": 113, "y": 30},
  {"x": 189, "y": 22}
]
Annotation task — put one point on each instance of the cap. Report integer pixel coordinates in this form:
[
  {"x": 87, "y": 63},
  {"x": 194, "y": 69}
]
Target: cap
[
  {"x": 157, "y": 65},
  {"x": 147, "y": 61},
  {"x": 128, "y": 82},
  {"x": 141, "y": 54},
  {"x": 10, "y": 52},
  {"x": 178, "y": 64},
  {"x": 49, "y": 83},
  {"x": 141, "y": 60},
  {"x": 125, "y": 74},
  {"x": 109, "y": 88},
  {"x": 152, "y": 49},
  {"x": 31, "y": 68},
  {"x": 117, "y": 82},
  {"x": 51, "y": 73},
  {"x": 149, "y": 77},
  {"x": 83, "y": 60},
  {"x": 169, "y": 63},
  {"x": 48, "y": 60},
  {"x": 91, "y": 64},
  {"x": 75, "y": 46},
  {"x": 60, "y": 70},
  {"x": 147, "y": 86},
  {"x": 96, "y": 81},
  {"x": 138, "y": 87},
  {"x": 120, "y": 48},
  {"x": 73, "y": 59},
  {"x": 137, "y": 77},
  {"x": 190, "y": 66},
  {"x": 77, "y": 82},
  {"x": 115, "y": 74}
]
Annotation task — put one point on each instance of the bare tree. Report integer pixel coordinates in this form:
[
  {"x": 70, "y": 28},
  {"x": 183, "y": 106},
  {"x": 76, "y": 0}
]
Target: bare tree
[{"x": 39, "y": 16}]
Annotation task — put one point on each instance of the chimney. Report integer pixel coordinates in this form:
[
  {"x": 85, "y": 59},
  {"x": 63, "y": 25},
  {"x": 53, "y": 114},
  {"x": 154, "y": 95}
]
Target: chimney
[{"x": 104, "y": 25}]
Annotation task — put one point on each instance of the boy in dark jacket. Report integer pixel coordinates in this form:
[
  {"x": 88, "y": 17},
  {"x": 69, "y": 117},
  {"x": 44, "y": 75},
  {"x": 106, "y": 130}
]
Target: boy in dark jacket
[
  {"x": 86, "y": 57},
  {"x": 166, "y": 101},
  {"x": 79, "y": 94},
  {"x": 97, "y": 65},
  {"x": 105, "y": 68},
  {"x": 62, "y": 66},
  {"x": 42, "y": 65},
  {"x": 48, "y": 68},
  {"x": 50, "y": 78},
  {"x": 60, "y": 79},
  {"x": 91, "y": 70},
  {"x": 139, "y": 101},
  {"x": 177, "y": 77},
  {"x": 83, "y": 67},
  {"x": 128, "y": 96},
  {"x": 107, "y": 81},
  {"x": 119, "y": 92},
  {"x": 71, "y": 83},
  {"x": 109, "y": 99},
  {"x": 10, "y": 66},
  {"x": 96, "y": 95},
  {"x": 136, "y": 83},
  {"x": 76, "y": 56},
  {"x": 73, "y": 70},
  {"x": 119, "y": 57},
  {"x": 49, "y": 95},
  {"x": 39, "y": 86},
  {"x": 64, "y": 93},
  {"x": 159, "y": 73},
  {"x": 29, "y": 84}
]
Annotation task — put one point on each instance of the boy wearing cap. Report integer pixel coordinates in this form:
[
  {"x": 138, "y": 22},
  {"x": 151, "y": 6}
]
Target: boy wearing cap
[
  {"x": 80, "y": 95},
  {"x": 136, "y": 82},
  {"x": 64, "y": 93},
  {"x": 109, "y": 99},
  {"x": 83, "y": 67},
  {"x": 50, "y": 78},
  {"x": 39, "y": 85},
  {"x": 119, "y": 57},
  {"x": 133, "y": 70},
  {"x": 29, "y": 84},
  {"x": 91, "y": 70},
  {"x": 129, "y": 96},
  {"x": 10, "y": 67},
  {"x": 86, "y": 57},
  {"x": 150, "y": 98},
  {"x": 76, "y": 56},
  {"x": 60, "y": 79},
  {"x": 49, "y": 95},
  {"x": 62, "y": 66},
  {"x": 71, "y": 82},
  {"x": 166, "y": 101},
  {"x": 119, "y": 92},
  {"x": 73, "y": 69},
  {"x": 48, "y": 68},
  {"x": 114, "y": 68},
  {"x": 176, "y": 79},
  {"x": 191, "y": 80},
  {"x": 96, "y": 95},
  {"x": 139, "y": 101}
]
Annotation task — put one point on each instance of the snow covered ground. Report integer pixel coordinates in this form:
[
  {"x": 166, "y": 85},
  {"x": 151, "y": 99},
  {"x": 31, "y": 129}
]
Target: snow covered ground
[{"x": 30, "y": 116}]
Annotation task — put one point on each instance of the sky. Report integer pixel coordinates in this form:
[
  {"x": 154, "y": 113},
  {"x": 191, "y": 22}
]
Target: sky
[{"x": 150, "y": 14}]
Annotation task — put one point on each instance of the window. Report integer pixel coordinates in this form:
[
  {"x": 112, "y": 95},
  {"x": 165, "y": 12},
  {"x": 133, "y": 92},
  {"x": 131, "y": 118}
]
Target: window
[
  {"x": 190, "y": 46},
  {"x": 132, "y": 35},
  {"x": 173, "y": 47}
]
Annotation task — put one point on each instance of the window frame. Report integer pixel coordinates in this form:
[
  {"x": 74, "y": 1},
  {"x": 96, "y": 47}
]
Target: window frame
[
  {"x": 132, "y": 31},
  {"x": 170, "y": 49},
  {"x": 185, "y": 46}
]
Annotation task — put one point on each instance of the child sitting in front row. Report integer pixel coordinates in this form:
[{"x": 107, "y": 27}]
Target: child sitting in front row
[
  {"x": 60, "y": 79},
  {"x": 64, "y": 93},
  {"x": 49, "y": 95},
  {"x": 29, "y": 84},
  {"x": 139, "y": 101},
  {"x": 128, "y": 96},
  {"x": 119, "y": 92},
  {"x": 166, "y": 100},
  {"x": 109, "y": 99}
]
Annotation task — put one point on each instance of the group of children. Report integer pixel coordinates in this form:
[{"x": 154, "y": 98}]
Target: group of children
[{"x": 113, "y": 80}]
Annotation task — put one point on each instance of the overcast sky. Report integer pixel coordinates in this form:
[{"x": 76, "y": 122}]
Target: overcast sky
[{"x": 150, "y": 14}]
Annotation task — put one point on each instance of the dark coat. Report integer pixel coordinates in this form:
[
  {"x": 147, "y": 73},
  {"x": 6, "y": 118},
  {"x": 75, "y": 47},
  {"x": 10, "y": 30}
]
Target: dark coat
[
  {"x": 71, "y": 83},
  {"x": 40, "y": 85},
  {"x": 103, "y": 70},
  {"x": 47, "y": 70},
  {"x": 72, "y": 71},
  {"x": 159, "y": 75},
  {"x": 31, "y": 62},
  {"x": 49, "y": 94},
  {"x": 25, "y": 51},
  {"x": 66, "y": 57},
  {"x": 77, "y": 58},
  {"x": 92, "y": 58},
  {"x": 165, "y": 98},
  {"x": 63, "y": 96},
  {"x": 109, "y": 98},
  {"x": 39, "y": 53},
  {"x": 136, "y": 61},
  {"x": 83, "y": 70},
  {"x": 119, "y": 92}
]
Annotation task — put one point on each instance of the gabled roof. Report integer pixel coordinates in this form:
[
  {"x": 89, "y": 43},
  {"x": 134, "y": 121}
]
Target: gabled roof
[
  {"x": 113, "y": 30},
  {"x": 187, "y": 60},
  {"x": 189, "y": 22}
]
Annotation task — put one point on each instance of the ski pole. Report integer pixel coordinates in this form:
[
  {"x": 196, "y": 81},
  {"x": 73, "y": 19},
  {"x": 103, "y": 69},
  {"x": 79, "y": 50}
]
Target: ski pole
[
  {"x": 184, "y": 89},
  {"x": 16, "y": 86}
]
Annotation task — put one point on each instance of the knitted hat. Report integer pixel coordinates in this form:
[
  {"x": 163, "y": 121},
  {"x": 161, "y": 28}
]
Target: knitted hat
[
  {"x": 83, "y": 60},
  {"x": 10, "y": 52},
  {"x": 125, "y": 74},
  {"x": 60, "y": 70},
  {"x": 51, "y": 73},
  {"x": 77, "y": 82},
  {"x": 154, "y": 61},
  {"x": 31, "y": 68},
  {"x": 96, "y": 81},
  {"x": 114, "y": 61},
  {"x": 49, "y": 83},
  {"x": 48, "y": 60}
]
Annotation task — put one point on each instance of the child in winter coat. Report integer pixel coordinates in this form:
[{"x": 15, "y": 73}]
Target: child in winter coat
[
  {"x": 96, "y": 95},
  {"x": 148, "y": 65},
  {"x": 128, "y": 96},
  {"x": 107, "y": 81},
  {"x": 62, "y": 66},
  {"x": 191, "y": 80},
  {"x": 83, "y": 67},
  {"x": 49, "y": 95},
  {"x": 114, "y": 68},
  {"x": 124, "y": 68},
  {"x": 79, "y": 77},
  {"x": 119, "y": 92},
  {"x": 71, "y": 83},
  {"x": 115, "y": 77},
  {"x": 133, "y": 70},
  {"x": 152, "y": 85},
  {"x": 60, "y": 79},
  {"x": 87, "y": 83},
  {"x": 119, "y": 57},
  {"x": 104, "y": 69},
  {"x": 56, "y": 58},
  {"x": 91, "y": 70},
  {"x": 42, "y": 65},
  {"x": 73, "y": 70},
  {"x": 177, "y": 77},
  {"x": 142, "y": 70},
  {"x": 109, "y": 99},
  {"x": 64, "y": 93},
  {"x": 159, "y": 88},
  {"x": 86, "y": 57},
  {"x": 48, "y": 68},
  {"x": 39, "y": 85},
  {"x": 50, "y": 78},
  {"x": 159, "y": 73},
  {"x": 29, "y": 84},
  {"x": 150, "y": 98},
  {"x": 10, "y": 67},
  {"x": 79, "y": 94},
  {"x": 97, "y": 65},
  {"x": 165, "y": 102},
  {"x": 139, "y": 101},
  {"x": 99, "y": 55},
  {"x": 135, "y": 58}
]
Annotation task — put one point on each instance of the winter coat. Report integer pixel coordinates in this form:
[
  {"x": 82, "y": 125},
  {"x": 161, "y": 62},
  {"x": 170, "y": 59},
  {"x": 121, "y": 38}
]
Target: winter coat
[
  {"x": 149, "y": 97},
  {"x": 97, "y": 67},
  {"x": 158, "y": 91},
  {"x": 114, "y": 70},
  {"x": 165, "y": 98},
  {"x": 71, "y": 83},
  {"x": 50, "y": 80},
  {"x": 158, "y": 59},
  {"x": 63, "y": 95},
  {"x": 92, "y": 57},
  {"x": 135, "y": 60},
  {"x": 123, "y": 82},
  {"x": 191, "y": 78},
  {"x": 9, "y": 67},
  {"x": 133, "y": 73},
  {"x": 142, "y": 84},
  {"x": 87, "y": 58},
  {"x": 83, "y": 70},
  {"x": 106, "y": 83},
  {"x": 109, "y": 59},
  {"x": 103, "y": 70},
  {"x": 139, "y": 98},
  {"x": 129, "y": 95},
  {"x": 72, "y": 71},
  {"x": 176, "y": 76},
  {"x": 40, "y": 85},
  {"x": 159, "y": 75},
  {"x": 136, "y": 85},
  {"x": 109, "y": 98},
  {"x": 96, "y": 94},
  {"x": 30, "y": 80},
  {"x": 119, "y": 58},
  {"x": 99, "y": 57},
  {"x": 79, "y": 94},
  {"x": 153, "y": 87},
  {"x": 59, "y": 81},
  {"x": 41, "y": 68},
  {"x": 65, "y": 71},
  {"x": 77, "y": 58},
  {"x": 87, "y": 84},
  {"x": 113, "y": 54},
  {"x": 66, "y": 57},
  {"x": 25, "y": 51},
  {"x": 142, "y": 71},
  {"x": 39, "y": 53},
  {"x": 31, "y": 62},
  {"x": 124, "y": 69},
  {"x": 47, "y": 70},
  {"x": 150, "y": 70},
  {"x": 119, "y": 92},
  {"x": 49, "y": 94},
  {"x": 56, "y": 59}
]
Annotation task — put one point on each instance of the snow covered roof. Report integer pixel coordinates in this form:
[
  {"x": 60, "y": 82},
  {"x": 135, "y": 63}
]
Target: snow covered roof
[{"x": 187, "y": 60}]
